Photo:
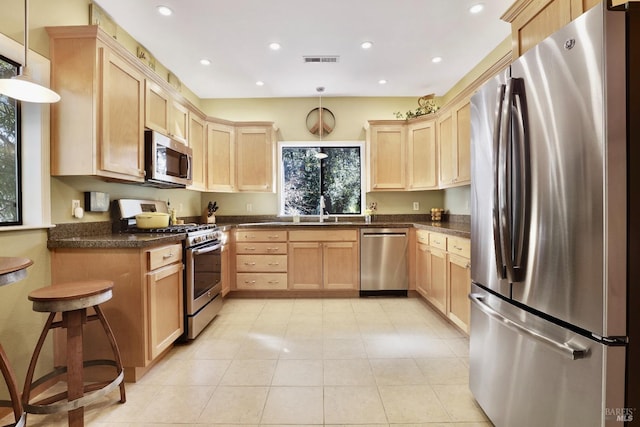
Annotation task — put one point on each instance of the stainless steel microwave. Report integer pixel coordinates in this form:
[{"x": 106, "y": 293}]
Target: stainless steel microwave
[{"x": 167, "y": 162}]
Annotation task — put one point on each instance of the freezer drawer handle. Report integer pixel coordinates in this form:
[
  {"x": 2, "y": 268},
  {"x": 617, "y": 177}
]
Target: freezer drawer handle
[{"x": 563, "y": 347}]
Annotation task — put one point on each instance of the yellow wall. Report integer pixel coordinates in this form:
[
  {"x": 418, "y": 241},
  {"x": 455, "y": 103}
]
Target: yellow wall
[{"x": 20, "y": 326}]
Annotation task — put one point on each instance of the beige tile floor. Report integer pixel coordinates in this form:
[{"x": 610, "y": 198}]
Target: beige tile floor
[{"x": 370, "y": 361}]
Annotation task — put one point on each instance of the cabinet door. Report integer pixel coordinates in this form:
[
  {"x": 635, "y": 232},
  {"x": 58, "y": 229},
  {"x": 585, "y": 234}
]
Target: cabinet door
[
  {"x": 538, "y": 20},
  {"x": 447, "y": 150},
  {"x": 388, "y": 157},
  {"x": 225, "y": 260},
  {"x": 196, "y": 141},
  {"x": 341, "y": 269},
  {"x": 438, "y": 279},
  {"x": 459, "y": 287},
  {"x": 221, "y": 168},
  {"x": 165, "y": 299},
  {"x": 463, "y": 144},
  {"x": 421, "y": 142},
  {"x": 305, "y": 265},
  {"x": 156, "y": 108},
  {"x": 121, "y": 145},
  {"x": 255, "y": 152},
  {"x": 423, "y": 270},
  {"x": 179, "y": 122}
]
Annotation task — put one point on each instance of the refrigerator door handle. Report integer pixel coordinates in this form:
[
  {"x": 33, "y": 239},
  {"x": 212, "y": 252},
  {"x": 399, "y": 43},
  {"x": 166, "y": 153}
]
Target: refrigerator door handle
[
  {"x": 564, "y": 348},
  {"x": 497, "y": 140},
  {"x": 514, "y": 182}
]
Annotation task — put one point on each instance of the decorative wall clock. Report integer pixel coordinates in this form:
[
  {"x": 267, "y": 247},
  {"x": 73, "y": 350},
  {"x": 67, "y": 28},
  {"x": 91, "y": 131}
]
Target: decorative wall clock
[{"x": 320, "y": 121}]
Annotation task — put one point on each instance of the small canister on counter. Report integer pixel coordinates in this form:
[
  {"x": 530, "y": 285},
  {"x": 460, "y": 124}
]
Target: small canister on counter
[{"x": 436, "y": 214}]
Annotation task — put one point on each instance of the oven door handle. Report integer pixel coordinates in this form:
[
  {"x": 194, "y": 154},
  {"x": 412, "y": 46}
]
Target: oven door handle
[{"x": 206, "y": 249}]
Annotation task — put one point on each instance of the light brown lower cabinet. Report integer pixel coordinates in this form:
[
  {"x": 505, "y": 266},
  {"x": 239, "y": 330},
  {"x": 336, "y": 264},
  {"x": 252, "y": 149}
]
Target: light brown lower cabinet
[
  {"x": 146, "y": 310},
  {"x": 443, "y": 275},
  {"x": 327, "y": 259}
]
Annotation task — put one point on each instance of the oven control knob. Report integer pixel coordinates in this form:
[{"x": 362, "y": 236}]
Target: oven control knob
[{"x": 198, "y": 239}]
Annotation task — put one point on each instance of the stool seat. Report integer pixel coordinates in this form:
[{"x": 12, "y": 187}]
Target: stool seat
[
  {"x": 71, "y": 296},
  {"x": 72, "y": 300}
]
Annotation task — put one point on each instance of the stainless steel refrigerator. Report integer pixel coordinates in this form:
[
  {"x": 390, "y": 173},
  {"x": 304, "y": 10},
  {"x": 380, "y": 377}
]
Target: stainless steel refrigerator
[{"x": 552, "y": 236}]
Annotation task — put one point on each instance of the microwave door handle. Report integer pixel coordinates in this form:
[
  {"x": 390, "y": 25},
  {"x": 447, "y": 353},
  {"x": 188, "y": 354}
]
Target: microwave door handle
[
  {"x": 185, "y": 166},
  {"x": 497, "y": 140}
]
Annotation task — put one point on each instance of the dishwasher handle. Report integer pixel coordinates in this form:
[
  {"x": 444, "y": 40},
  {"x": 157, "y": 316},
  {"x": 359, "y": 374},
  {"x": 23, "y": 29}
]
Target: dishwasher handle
[{"x": 385, "y": 232}]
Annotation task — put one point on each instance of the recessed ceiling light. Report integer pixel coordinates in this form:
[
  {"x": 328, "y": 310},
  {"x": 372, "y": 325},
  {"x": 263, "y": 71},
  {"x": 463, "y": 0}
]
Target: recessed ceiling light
[
  {"x": 382, "y": 82},
  {"x": 436, "y": 59},
  {"x": 259, "y": 83},
  {"x": 476, "y": 8},
  {"x": 205, "y": 61},
  {"x": 274, "y": 46},
  {"x": 164, "y": 11},
  {"x": 366, "y": 45}
]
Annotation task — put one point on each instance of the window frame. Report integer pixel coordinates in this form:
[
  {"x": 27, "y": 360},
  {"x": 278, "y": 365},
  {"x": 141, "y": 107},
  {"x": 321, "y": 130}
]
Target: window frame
[
  {"x": 35, "y": 152},
  {"x": 317, "y": 144},
  {"x": 18, "y": 156}
]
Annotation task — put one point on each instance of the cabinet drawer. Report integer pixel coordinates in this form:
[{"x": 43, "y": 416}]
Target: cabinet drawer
[
  {"x": 261, "y": 236},
  {"x": 261, "y": 281},
  {"x": 437, "y": 240},
  {"x": 164, "y": 255},
  {"x": 459, "y": 246},
  {"x": 261, "y": 248},
  {"x": 324, "y": 235},
  {"x": 256, "y": 263},
  {"x": 422, "y": 236}
]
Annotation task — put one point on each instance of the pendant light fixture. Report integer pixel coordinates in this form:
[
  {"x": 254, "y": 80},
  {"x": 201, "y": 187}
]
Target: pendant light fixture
[
  {"x": 320, "y": 155},
  {"x": 21, "y": 87}
]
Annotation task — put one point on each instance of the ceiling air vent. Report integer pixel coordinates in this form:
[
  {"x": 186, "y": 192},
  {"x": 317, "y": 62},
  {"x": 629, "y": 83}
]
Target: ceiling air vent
[{"x": 320, "y": 59}]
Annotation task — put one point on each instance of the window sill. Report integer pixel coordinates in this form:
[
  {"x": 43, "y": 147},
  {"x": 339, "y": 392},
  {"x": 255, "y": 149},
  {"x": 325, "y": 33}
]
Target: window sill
[{"x": 26, "y": 227}]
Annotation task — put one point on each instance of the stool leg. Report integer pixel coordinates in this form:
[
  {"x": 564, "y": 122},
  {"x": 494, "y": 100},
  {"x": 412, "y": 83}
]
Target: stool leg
[
  {"x": 114, "y": 347},
  {"x": 26, "y": 392},
  {"x": 10, "y": 379},
  {"x": 75, "y": 372}
]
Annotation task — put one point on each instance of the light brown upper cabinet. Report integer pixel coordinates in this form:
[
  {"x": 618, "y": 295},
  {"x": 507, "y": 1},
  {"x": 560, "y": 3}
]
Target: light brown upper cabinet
[
  {"x": 255, "y": 150},
  {"x": 221, "y": 157},
  {"x": 179, "y": 122},
  {"x": 387, "y": 140},
  {"x": 534, "y": 20},
  {"x": 98, "y": 126},
  {"x": 422, "y": 154},
  {"x": 164, "y": 114},
  {"x": 197, "y": 134},
  {"x": 454, "y": 143}
]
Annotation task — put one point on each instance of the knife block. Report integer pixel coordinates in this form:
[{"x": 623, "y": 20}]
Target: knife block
[{"x": 206, "y": 219}]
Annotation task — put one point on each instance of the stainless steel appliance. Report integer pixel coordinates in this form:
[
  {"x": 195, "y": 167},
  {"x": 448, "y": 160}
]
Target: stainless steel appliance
[
  {"x": 383, "y": 261},
  {"x": 552, "y": 322},
  {"x": 167, "y": 162},
  {"x": 202, "y": 252}
]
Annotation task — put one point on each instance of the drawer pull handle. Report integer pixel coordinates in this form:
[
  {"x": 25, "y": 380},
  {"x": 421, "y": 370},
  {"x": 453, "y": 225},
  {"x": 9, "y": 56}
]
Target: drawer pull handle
[
  {"x": 273, "y": 282},
  {"x": 250, "y": 282},
  {"x": 250, "y": 249},
  {"x": 468, "y": 266},
  {"x": 249, "y": 263},
  {"x": 272, "y": 249},
  {"x": 167, "y": 256},
  {"x": 274, "y": 263},
  {"x": 437, "y": 242},
  {"x": 457, "y": 248},
  {"x": 274, "y": 236}
]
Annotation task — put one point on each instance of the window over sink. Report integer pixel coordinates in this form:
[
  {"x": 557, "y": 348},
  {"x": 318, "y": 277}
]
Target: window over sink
[
  {"x": 309, "y": 170},
  {"x": 10, "y": 176}
]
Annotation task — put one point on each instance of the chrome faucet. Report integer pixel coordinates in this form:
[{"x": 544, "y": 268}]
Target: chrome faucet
[{"x": 323, "y": 210}]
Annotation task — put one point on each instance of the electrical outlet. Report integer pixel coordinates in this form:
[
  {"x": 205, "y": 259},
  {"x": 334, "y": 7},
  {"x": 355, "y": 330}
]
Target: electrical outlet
[
  {"x": 74, "y": 204},
  {"x": 249, "y": 207},
  {"x": 416, "y": 206}
]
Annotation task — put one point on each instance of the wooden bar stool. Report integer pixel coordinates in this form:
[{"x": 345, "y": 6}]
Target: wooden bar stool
[
  {"x": 72, "y": 300},
  {"x": 12, "y": 270}
]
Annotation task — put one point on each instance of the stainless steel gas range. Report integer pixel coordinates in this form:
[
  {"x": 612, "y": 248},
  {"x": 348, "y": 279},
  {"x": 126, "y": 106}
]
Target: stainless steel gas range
[{"x": 202, "y": 263}]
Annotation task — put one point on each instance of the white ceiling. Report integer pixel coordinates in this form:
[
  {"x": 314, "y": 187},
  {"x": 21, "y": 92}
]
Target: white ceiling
[{"x": 235, "y": 35}]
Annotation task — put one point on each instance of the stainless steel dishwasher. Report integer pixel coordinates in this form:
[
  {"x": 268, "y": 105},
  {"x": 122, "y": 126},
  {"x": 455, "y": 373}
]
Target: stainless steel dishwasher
[{"x": 383, "y": 261}]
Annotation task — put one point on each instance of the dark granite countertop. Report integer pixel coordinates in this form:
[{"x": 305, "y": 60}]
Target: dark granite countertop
[{"x": 98, "y": 235}]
